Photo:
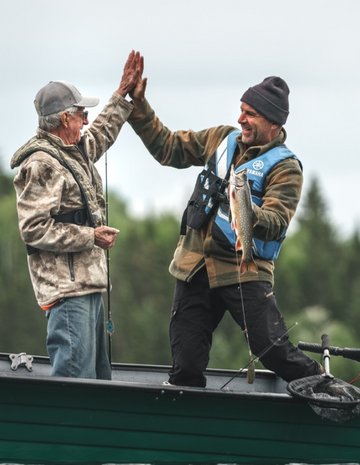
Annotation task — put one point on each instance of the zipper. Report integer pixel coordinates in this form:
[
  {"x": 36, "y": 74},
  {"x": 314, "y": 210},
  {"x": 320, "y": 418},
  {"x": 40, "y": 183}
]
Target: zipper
[
  {"x": 71, "y": 265},
  {"x": 196, "y": 268}
]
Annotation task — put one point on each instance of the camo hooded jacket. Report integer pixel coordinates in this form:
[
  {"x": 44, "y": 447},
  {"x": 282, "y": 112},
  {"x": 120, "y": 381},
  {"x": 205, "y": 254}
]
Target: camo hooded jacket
[
  {"x": 67, "y": 263},
  {"x": 197, "y": 248}
]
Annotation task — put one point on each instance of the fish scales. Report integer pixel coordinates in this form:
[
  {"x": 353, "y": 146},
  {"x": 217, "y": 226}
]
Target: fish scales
[{"x": 242, "y": 219}]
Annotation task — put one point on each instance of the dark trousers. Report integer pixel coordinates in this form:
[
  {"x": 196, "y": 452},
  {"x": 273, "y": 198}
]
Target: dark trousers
[{"x": 196, "y": 312}]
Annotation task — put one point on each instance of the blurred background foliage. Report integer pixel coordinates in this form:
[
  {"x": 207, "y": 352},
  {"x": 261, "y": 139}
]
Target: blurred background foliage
[{"x": 317, "y": 286}]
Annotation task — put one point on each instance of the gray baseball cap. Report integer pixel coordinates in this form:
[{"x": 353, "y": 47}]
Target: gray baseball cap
[{"x": 60, "y": 95}]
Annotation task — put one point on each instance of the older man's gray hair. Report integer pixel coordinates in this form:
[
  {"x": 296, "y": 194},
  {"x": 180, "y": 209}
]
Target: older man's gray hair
[{"x": 50, "y": 122}]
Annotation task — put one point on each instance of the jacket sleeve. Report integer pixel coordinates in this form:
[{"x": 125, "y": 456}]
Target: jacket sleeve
[
  {"x": 179, "y": 149},
  {"x": 39, "y": 184},
  {"x": 282, "y": 195},
  {"x": 104, "y": 130}
]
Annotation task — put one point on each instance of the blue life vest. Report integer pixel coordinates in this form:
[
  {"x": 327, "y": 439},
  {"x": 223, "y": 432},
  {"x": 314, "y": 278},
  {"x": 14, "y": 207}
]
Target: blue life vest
[{"x": 257, "y": 170}]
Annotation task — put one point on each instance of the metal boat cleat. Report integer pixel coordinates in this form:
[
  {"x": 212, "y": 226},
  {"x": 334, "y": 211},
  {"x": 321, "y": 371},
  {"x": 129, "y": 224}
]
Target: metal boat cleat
[{"x": 21, "y": 359}]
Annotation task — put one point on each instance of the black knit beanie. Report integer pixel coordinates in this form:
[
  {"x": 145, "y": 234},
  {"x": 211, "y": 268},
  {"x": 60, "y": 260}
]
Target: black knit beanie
[{"x": 270, "y": 98}]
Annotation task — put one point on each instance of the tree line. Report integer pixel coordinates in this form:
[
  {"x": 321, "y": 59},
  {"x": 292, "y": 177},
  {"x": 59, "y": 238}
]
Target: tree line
[{"x": 317, "y": 285}]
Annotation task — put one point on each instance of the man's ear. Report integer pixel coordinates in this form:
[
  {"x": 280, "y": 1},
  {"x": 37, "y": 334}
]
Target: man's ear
[
  {"x": 276, "y": 128},
  {"x": 64, "y": 118}
]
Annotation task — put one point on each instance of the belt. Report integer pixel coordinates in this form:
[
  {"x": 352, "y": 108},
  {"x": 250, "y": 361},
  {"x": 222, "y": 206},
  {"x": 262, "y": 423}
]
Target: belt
[{"x": 78, "y": 217}]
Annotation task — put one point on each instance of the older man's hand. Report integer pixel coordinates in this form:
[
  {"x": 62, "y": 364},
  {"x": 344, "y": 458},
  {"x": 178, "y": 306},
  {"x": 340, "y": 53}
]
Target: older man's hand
[
  {"x": 132, "y": 73},
  {"x": 105, "y": 236}
]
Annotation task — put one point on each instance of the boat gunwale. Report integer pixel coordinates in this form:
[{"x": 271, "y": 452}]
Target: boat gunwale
[{"x": 10, "y": 377}]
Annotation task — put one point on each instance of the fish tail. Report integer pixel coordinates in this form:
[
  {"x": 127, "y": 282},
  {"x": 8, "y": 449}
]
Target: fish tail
[{"x": 248, "y": 267}]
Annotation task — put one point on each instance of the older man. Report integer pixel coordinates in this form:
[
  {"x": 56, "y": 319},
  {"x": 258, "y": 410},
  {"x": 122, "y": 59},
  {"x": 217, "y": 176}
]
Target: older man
[
  {"x": 206, "y": 262},
  {"x": 61, "y": 214}
]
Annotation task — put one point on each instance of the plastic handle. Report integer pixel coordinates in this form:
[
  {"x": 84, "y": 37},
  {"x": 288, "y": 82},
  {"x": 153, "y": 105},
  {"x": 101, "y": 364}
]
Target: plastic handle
[
  {"x": 346, "y": 352},
  {"x": 325, "y": 342}
]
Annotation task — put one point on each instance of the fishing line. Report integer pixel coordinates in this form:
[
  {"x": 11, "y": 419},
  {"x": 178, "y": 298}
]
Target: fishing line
[
  {"x": 246, "y": 332},
  {"x": 251, "y": 364},
  {"x": 264, "y": 352}
]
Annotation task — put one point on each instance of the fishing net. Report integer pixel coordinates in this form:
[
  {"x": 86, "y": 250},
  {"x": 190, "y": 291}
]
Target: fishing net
[{"x": 331, "y": 398}]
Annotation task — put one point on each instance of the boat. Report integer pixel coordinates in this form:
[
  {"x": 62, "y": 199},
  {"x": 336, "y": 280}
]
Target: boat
[{"x": 135, "y": 418}]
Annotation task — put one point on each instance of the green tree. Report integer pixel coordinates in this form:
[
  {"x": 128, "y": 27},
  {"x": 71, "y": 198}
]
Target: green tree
[
  {"x": 6, "y": 186},
  {"x": 318, "y": 280},
  {"x": 317, "y": 285},
  {"x": 310, "y": 266},
  {"x": 142, "y": 288},
  {"x": 350, "y": 282},
  {"x": 24, "y": 326}
]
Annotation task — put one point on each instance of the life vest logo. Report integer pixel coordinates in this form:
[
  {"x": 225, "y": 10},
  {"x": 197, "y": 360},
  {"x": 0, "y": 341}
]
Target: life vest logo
[{"x": 258, "y": 165}]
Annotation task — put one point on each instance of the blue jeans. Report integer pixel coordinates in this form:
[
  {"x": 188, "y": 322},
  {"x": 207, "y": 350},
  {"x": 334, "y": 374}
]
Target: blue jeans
[{"x": 76, "y": 339}]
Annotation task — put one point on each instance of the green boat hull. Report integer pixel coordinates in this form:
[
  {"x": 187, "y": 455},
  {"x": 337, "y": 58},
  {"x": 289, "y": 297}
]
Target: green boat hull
[{"x": 134, "y": 419}]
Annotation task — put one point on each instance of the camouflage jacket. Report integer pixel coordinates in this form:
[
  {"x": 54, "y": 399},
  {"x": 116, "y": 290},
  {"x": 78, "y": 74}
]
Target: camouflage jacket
[
  {"x": 197, "y": 248},
  {"x": 67, "y": 262}
]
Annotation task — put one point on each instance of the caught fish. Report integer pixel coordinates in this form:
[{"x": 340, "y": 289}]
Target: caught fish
[{"x": 242, "y": 218}]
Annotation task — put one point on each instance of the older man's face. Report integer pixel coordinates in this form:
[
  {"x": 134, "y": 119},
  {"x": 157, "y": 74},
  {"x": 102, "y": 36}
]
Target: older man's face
[
  {"x": 255, "y": 129},
  {"x": 76, "y": 121}
]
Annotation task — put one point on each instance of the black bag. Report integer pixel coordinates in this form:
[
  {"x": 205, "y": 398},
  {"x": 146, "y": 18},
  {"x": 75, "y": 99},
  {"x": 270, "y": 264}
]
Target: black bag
[{"x": 208, "y": 193}]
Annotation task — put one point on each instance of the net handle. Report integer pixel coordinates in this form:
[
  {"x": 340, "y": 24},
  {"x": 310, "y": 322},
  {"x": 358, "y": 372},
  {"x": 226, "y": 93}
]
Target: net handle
[
  {"x": 346, "y": 352},
  {"x": 325, "y": 344}
]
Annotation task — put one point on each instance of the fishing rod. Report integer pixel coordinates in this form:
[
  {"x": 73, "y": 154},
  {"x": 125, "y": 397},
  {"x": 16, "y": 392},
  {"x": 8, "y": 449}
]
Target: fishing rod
[
  {"x": 109, "y": 324},
  {"x": 264, "y": 352}
]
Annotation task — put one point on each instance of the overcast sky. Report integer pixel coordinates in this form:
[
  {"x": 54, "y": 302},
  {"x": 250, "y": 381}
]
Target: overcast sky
[{"x": 200, "y": 56}]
